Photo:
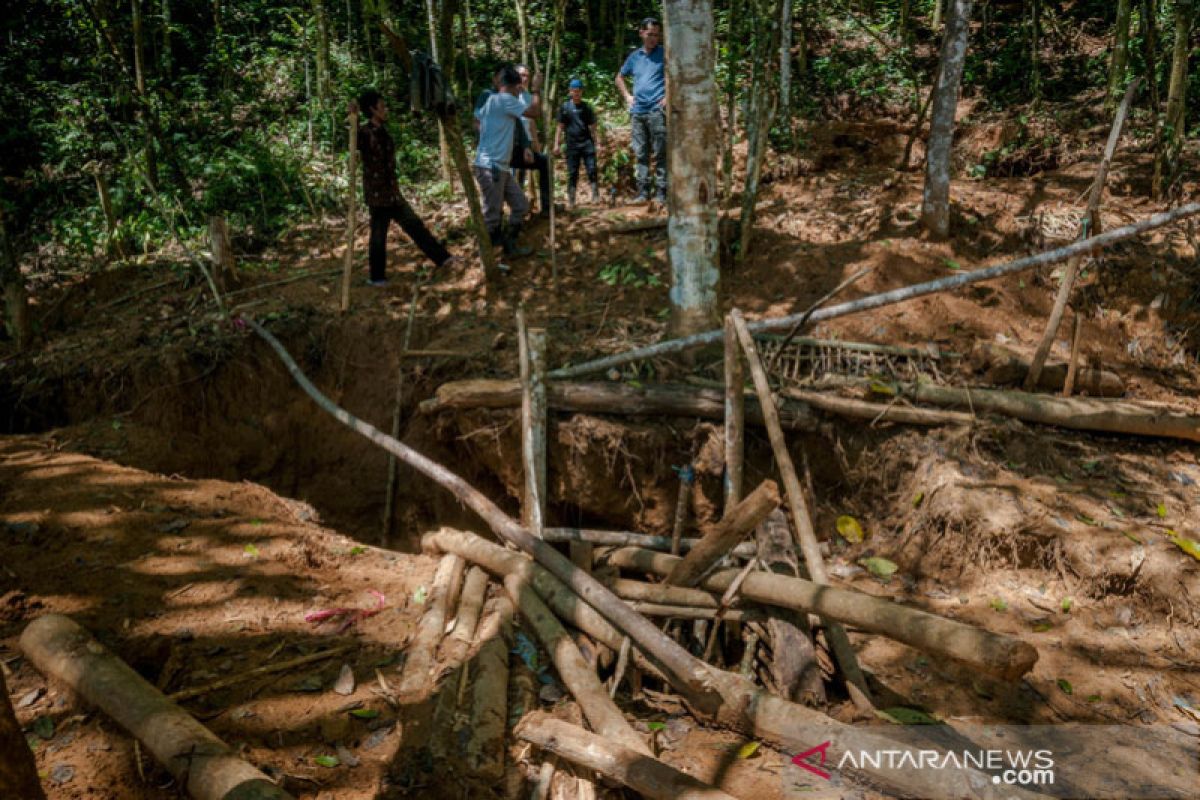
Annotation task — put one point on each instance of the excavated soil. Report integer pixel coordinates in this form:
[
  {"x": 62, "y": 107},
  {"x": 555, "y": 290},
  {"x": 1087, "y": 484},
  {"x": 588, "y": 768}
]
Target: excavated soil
[{"x": 164, "y": 481}]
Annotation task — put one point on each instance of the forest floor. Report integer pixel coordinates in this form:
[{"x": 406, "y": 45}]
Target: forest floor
[{"x": 167, "y": 484}]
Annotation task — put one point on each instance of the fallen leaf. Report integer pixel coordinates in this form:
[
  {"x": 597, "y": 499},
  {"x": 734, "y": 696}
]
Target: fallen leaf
[
  {"x": 1161, "y": 511},
  {"x": 1065, "y": 685},
  {"x": 357, "y": 550},
  {"x": 849, "y": 529},
  {"x": 345, "y": 681},
  {"x": 1189, "y": 546},
  {"x": 251, "y": 550},
  {"x": 326, "y": 761},
  {"x": 420, "y": 595},
  {"x": 656, "y": 726},
  {"x": 952, "y": 264},
  {"x": 364, "y": 713},
  {"x": 879, "y": 567},
  {"x": 920, "y": 498},
  {"x": 748, "y": 749},
  {"x": 999, "y": 604}
]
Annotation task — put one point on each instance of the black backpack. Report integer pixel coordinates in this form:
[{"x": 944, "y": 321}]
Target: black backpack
[{"x": 428, "y": 86}]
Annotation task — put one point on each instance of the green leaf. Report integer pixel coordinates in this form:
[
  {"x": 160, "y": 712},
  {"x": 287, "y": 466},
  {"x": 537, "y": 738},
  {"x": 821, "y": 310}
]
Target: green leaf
[
  {"x": 420, "y": 595},
  {"x": 656, "y": 726},
  {"x": 879, "y": 567},
  {"x": 907, "y": 716},
  {"x": 1131, "y": 537},
  {"x": 1066, "y": 605},
  {"x": 849, "y": 529},
  {"x": 748, "y": 749},
  {"x": 326, "y": 761},
  {"x": 357, "y": 550},
  {"x": 251, "y": 550},
  {"x": 1189, "y": 546},
  {"x": 952, "y": 264},
  {"x": 43, "y": 727},
  {"x": 1093, "y": 698},
  {"x": 920, "y": 498},
  {"x": 998, "y": 604},
  {"x": 1042, "y": 627},
  {"x": 1065, "y": 685},
  {"x": 364, "y": 713},
  {"x": 1162, "y": 511}
]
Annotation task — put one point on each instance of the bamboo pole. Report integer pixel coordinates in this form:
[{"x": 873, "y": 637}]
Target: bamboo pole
[
  {"x": 1091, "y": 224},
  {"x": 532, "y": 354},
  {"x": 351, "y": 213},
  {"x": 890, "y": 297},
  {"x": 806, "y": 537},
  {"x": 735, "y": 416},
  {"x": 203, "y": 764},
  {"x": 994, "y": 653},
  {"x": 639, "y": 771}
]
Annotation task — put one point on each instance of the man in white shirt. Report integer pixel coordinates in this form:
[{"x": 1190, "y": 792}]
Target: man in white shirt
[{"x": 498, "y": 118}]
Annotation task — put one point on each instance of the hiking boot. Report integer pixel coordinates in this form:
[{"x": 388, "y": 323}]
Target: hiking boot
[
  {"x": 377, "y": 282},
  {"x": 571, "y": 199},
  {"x": 511, "y": 248},
  {"x": 595, "y": 193}
]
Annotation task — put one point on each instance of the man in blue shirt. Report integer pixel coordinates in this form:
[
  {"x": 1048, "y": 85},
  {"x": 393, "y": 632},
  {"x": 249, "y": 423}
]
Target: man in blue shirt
[
  {"x": 498, "y": 118},
  {"x": 647, "y": 108}
]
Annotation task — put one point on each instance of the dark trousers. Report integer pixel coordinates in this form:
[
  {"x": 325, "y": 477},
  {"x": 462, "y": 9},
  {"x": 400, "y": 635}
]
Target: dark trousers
[
  {"x": 542, "y": 165},
  {"x": 410, "y": 223},
  {"x": 586, "y": 155}
]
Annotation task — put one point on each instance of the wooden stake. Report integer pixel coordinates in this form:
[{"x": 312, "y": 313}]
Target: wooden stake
[
  {"x": 716, "y": 544},
  {"x": 532, "y": 351},
  {"x": 205, "y": 766},
  {"x": 602, "y": 714},
  {"x": 735, "y": 417},
  {"x": 633, "y": 768},
  {"x": 805, "y": 535},
  {"x": 416, "y": 679},
  {"x": 392, "y": 470},
  {"x": 682, "y": 501},
  {"x": 1073, "y": 364},
  {"x": 351, "y": 213},
  {"x": 1091, "y": 225}
]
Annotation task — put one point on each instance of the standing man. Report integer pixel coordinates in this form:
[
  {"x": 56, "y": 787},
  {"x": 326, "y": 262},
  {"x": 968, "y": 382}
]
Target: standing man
[
  {"x": 538, "y": 162},
  {"x": 647, "y": 109},
  {"x": 498, "y": 118},
  {"x": 577, "y": 120},
  {"x": 382, "y": 192}
]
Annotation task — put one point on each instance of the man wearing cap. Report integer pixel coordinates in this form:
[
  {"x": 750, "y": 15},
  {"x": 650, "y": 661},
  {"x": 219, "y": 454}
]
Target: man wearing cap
[
  {"x": 577, "y": 120},
  {"x": 647, "y": 109}
]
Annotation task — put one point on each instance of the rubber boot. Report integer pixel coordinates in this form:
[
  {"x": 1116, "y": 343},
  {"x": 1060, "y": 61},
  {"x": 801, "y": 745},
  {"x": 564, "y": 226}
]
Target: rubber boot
[
  {"x": 511, "y": 248},
  {"x": 595, "y": 192},
  {"x": 571, "y": 198}
]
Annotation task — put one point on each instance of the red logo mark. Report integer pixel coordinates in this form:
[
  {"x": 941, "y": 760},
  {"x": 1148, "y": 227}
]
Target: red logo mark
[{"x": 799, "y": 760}]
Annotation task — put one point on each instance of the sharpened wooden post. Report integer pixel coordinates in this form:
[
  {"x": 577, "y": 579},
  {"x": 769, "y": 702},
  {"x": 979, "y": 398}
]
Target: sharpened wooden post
[
  {"x": 532, "y": 347},
  {"x": 735, "y": 417},
  {"x": 805, "y": 535},
  {"x": 351, "y": 213},
  {"x": 738, "y": 522},
  {"x": 203, "y": 764}
]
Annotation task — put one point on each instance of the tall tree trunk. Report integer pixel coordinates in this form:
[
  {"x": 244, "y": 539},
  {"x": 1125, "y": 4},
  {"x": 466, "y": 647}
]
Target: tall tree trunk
[
  {"x": 431, "y": 10},
  {"x": 935, "y": 207},
  {"x": 16, "y": 297},
  {"x": 1149, "y": 36},
  {"x": 693, "y": 141},
  {"x": 523, "y": 27},
  {"x": 139, "y": 77},
  {"x": 904, "y": 23},
  {"x": 764, "y": 96},
  {"x": 322, "y": 18},
  {"x": 939, "y": 10},
  {"x": 164, "y": 62},
  {"x": 785, "y": 61},
  {"x": 1177, "y": 94},
  {"x": 733, "y": 48},
  {"x": 1119, "y": 62},
  {"x": 1035, "y": 50}
]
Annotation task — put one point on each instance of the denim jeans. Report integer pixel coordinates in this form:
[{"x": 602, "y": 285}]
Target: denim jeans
[{"x": 382, "y": 218}]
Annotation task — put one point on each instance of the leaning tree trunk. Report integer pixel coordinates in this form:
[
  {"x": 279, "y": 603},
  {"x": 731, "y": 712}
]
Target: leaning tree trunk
[
  {"x": 322, "y": 18},
  {"x": 1119, "y": 63},
  {"x": 935, "y": 208},
  {"x": 693, "y": 141},
  {"x": 18, "y": 771},
  {"x": 759, "y": 120}
]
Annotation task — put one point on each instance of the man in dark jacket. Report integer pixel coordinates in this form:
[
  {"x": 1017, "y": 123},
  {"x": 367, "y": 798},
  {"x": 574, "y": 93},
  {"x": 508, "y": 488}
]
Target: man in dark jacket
[
  {"x": 577, "y": 121},
  {"x": 382, "y": 192}
]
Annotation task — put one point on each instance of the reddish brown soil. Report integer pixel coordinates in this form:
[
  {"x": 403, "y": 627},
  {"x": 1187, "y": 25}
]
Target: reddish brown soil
[{"x": 151, "y": 412}]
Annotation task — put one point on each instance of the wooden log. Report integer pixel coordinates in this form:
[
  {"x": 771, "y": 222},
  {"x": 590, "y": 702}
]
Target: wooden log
[
  {"x": 502, "y": 562},
  {"x": 673, "y": 346},
  {"x": 1091, "y": 224},
  {"x": 794, "y": 667},
  {"x": 18, "y": 770},
  {"x": 1104, "y": 415},
  {"x": 716, "y": 543},
  {"x": 455, "y": 648},
  {"x": 996, "y": 653},
  {"x": 418, "y": 666},
  {"x": 1005, "y": 367},
  {"x": 204, "y": 765},
  {"x": 484, "y": 748},
  {"x": 663, "y": 594},
  {"x": 629, "y": 538},
  {"x": 1073, "y": 362},
  {"x": 610, "y": 398},
  {"x": 601, "y": 712},
  {"x": 735, "y": 416},
  {"x": 695, "y": 612},
  {"x": 806, "y": 536},
  {"x": 638, "y": 770},
  {"x": 532, "y": 354},
  {"x": 351, "y": 213},
  {"x": 877, "y": 412}
]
